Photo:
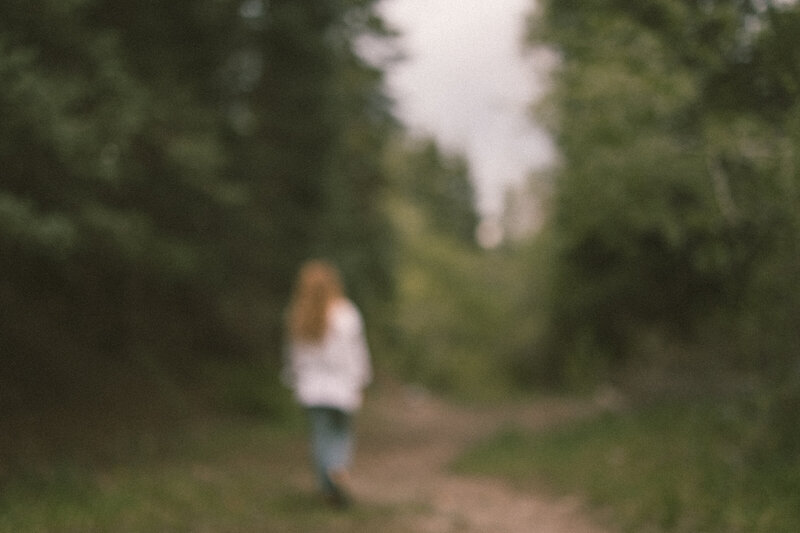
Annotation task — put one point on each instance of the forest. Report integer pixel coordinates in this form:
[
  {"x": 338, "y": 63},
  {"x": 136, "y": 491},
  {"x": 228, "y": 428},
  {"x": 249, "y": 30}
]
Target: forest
[{"x": 165, "y": 167}]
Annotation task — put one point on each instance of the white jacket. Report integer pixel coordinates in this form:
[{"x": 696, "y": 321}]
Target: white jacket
[{"x": 334, "y": 371}]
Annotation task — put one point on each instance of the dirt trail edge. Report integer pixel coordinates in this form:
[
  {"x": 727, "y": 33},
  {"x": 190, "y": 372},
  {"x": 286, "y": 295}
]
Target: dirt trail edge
[{"x": 407, "y": 440}]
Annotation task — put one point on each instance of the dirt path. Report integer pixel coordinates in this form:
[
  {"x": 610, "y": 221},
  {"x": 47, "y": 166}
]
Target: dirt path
[{"x": 408, "y": 438}]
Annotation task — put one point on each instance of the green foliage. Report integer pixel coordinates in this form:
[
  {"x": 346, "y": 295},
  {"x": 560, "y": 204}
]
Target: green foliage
[
  {"x": 451, "y": 329},
  {"x": 165, "y": 169},
  {"x": 440, "y": 184},
  {"x": 671, "y": 467},
  {"x": 676, "y": 198}
]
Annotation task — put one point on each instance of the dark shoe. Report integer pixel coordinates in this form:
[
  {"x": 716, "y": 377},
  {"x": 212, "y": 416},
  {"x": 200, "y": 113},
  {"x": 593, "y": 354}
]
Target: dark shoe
[
  {"x": 339, "y": 496},
  {"x": 338, "y": 500}
]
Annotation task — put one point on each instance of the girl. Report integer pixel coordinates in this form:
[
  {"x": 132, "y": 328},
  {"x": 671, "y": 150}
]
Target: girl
[{"x": 327, "y": 367}]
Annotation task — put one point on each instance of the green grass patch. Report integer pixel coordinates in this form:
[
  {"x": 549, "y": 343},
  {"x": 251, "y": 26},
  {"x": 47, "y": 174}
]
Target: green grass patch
[
  {"x": 217, "y": 475},
  {"x": 675, "y": 467}
]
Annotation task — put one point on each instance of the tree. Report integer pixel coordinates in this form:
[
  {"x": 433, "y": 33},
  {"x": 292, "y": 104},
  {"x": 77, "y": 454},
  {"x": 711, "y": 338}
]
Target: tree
[
  {"x": 451, "y": 327},
  {"x": 440, "y": 185},
  {"x": 165, "y": 168},
  {"x": 676, "y": 193}
]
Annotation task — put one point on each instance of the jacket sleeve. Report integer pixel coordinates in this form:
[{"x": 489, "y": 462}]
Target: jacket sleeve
[{"x": 360, "y": 367}]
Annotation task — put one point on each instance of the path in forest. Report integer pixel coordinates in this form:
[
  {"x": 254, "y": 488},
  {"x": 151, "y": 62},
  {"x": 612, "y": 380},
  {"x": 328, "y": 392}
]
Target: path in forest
[{"x": 408, "y": 438}]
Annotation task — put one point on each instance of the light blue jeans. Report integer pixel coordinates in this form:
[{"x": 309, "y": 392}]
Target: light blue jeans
[{"x": 331, "y": 443}]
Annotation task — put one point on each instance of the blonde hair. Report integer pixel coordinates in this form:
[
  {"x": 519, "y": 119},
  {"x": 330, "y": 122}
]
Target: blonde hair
[{"x": 318, "y": 286}]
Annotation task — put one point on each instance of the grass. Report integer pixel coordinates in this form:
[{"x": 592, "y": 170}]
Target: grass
[
  {"x": 218, "y": 475},
  {"x": 672, "y": 467}
]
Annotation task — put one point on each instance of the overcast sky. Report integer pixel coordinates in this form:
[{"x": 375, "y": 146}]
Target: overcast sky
[{"x": 467, "y": 82}]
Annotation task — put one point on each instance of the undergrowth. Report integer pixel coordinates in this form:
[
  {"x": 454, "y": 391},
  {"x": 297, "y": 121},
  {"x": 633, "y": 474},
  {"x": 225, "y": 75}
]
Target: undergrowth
[
  {"x": 673, "y": 467},
  {"x": 218, "y": 474}
]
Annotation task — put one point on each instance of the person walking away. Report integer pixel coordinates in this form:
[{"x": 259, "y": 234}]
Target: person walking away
[{"x": 327, "y": 366}]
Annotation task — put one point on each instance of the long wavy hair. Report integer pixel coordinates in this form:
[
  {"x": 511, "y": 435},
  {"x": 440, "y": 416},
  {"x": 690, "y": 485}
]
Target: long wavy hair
[{"x": 317, "y": 287}]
